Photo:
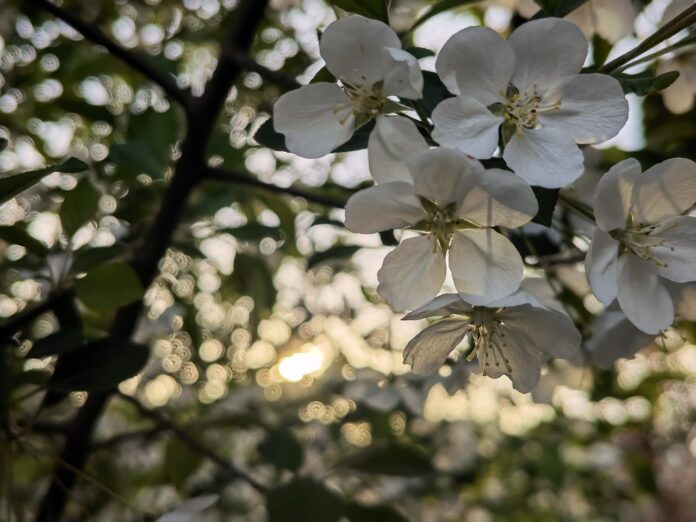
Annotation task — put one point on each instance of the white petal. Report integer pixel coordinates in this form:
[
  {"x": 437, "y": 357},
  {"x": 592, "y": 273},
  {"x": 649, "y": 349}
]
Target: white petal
[
  {"x": 522, "y": 362},
  {"x": 612, "y": 200},
  {"x": 602, "y": 266},
  {"x": 311, "y": 120},
  {"x": 643, "y": 297},
  {"x": 548, "y": 52},
  {"x": 383, "y": 207},
  {"x": 444, "y": 304},
  {"x": 443, "y": 175},
  {"x": 520, "y": 297},
  {"x": 678, "y": 97},
  {"x": 402, "y": 75},
  {"x": 593, "y": 109},
  {"x": 476, "y": 62},
  {"x": 466, "y": 124},
  {"x": 678, "y": 252},
  {"x": 615, "y": 338},
  {"x": 610, "y": 19},
  {"x": 665, "y": 190},
  {"x": 548, "y": 331},
  {"x": 499, "y": 198},
  {"x": 428, "y": 350},
  {"x": 392, "y": 142},
  {"x": 353, "y": 48},
  {"x": 544, "y": 157},
  {"x": 485, "y": 265},
  {"x": 412, "y": 273}
]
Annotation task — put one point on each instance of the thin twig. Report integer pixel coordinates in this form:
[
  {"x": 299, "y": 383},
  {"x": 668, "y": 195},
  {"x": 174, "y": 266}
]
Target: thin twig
[
  {"x": 230, "y": 469},
  {"x": 134, "y": 60},
  {"x": 649, "y": 57}
]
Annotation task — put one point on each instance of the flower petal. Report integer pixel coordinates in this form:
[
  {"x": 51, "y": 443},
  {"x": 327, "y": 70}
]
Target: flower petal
[
  {"x": 353, "y": 48},
  {"x": 602, "y": 266},
  {"x": 665, "y": 190},
  {"x": 678, "y": 252},
  {"x": 643, "y": 297},
  {"x": 428, "y": 350},
  {"x": 402, "y": 74},
  {"x": 615, "y": 338},
  {"x": 478, "y": 63},
  {"x": 383, "y": 207},
  {"x": 610, "y": 19},
  {"x": 485, "y": 265},
  {"x": 392, "y": 142},
  {"x": 612, "y": 200},
  {"x": 544, "y": 157},
  {"x": 466, "y": 124},
  {"x": 443, "y": 175},
  {"x": 311, "y": 120},
  {"x": 412, "y": 273},
  {"x": 522, "y": 362},
  {"x": 549, "y": 53},
  {"x": 444, "y": 304},
  {"x": 593, "y": 109},
  {"x": 498, "y": 198}
]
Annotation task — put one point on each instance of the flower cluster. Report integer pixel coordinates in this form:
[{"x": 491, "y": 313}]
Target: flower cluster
[{"x": 526, "y": 102}]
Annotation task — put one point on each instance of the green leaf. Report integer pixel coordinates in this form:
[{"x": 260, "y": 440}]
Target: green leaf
[
  {"x": 439, "y": 7},
  {"x": 358, "y": 513},
  {"x": 420, "y": 52},
  {"x": 268, "y": 137},
  {"x": 180, "y": 462},
  {"x": 281, "y": 448},
  {"x": 56, "y": 343},
  {"x": 336, "y": 253},
  {"x": 321, "y": 220},
  {"x": 98, "y": 366},
  {"x": 645, "y": 82},
  {"x": 80, "y": 205},
  {"x": 376, "y": 9},
  {"x": 558, "y": 8},
  {"x": 88, "y": 258},
  {"x": 13, "y": 185},
  {"x": 391, "y": 459},
  {"x": 547, "y": 199},
  {"x": 303, "y": 500},
  {"x": 252, "y": 277},
  {"x": 18, "y": 236},
  {"x": 254, "y": 232},
  {"x": 109, "y": 286},
  {"x": 3, "y": 144},
  {"x": 323, "y": 75},
  {"x": 434, "y": 91}
]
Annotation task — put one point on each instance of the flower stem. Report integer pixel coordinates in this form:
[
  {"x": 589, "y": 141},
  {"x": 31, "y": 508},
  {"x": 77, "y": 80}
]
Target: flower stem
[
  {"x": 649, "y": 57},
  {"x": 676, "y": 24},
  {"x": 578, "y": 207}
]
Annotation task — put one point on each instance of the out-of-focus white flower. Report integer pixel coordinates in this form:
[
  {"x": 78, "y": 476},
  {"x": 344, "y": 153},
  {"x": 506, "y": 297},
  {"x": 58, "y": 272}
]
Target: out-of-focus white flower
[
  {"x": 366, "y": 57},
  {"x": 644, "y": 235},
  {"x": 531, "y": 86},
  {"x": 615, "y": 337},
  {"x": 511, "y": 336},
  {"x": 610, "y": 19},
  {"x": 679, "y": 97},
  {"x": 453, "y": 202}
]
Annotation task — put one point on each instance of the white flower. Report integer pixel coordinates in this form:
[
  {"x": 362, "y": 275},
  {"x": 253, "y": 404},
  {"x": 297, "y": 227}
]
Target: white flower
[
  {"x": 366, "y": 57},
  {"x": 679, "y": 97},
  {"x": 610, "y": 19},
  {"x": 511, "y": 336},
  {"x": 529, "y": 84},
  {"x": 615, "y": 337},
  {"x": 643, "y": 236},
  {"x": 453, "y": 202}
]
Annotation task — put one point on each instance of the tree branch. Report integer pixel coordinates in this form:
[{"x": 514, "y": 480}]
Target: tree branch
[
  {"x": 242, "y": 178},
  {"x": 134, "y": 60},
  {"x": 247, "y": 63}
]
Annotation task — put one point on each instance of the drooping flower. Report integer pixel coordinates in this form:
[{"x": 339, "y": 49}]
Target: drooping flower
[
  {"x": 610, "y": 19},
  {"x": 453, "y": 202},
  {"x": 530, "y": 88},
  {"x": 644, "y": 236},
  {"x": 366, "y": 57},
  {"x": 511, "y": 336}
]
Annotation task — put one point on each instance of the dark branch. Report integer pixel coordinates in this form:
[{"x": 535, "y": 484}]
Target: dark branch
[
  {"x": 242, "y": 178},
  {"x": 136, "y": 61},
  {"x": 247, "y": 63}
]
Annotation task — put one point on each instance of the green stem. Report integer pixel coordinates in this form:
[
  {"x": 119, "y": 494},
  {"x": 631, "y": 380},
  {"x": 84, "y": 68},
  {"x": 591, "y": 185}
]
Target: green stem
[
  {"x": 649, "y": 57},
  {"x": 578, "y": 207}
]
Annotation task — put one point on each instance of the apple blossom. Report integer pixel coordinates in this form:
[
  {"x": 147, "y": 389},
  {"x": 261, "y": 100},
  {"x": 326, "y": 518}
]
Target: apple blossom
[
  {"x": 510, "y": 336},
  {"x": 453, "y": 202},
  {"x": 528, "y": 91},
  {"x": 366, "y": 57},
  {"x": 643, "y": 237},
  {"x": 610, "y": 19}
]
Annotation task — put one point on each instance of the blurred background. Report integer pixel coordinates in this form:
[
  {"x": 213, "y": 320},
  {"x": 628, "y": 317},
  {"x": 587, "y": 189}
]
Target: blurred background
[{"x": 267, "y": 340}]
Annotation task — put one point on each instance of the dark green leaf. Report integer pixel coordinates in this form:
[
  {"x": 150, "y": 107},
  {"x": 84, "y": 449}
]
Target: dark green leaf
[
  {"x": 559, "y": 8},
  {"x": 109, "y": 286},
  {"x": 376, "y": 9},
  {"x": 88, "y": 258},
  {"x": 13, "y": 185},
  {"x": 321, "y": 220},
  {"x": 323, "y": 75},
  {"x": 268, "y": 137},
  {"x": 391, "y": 459},
  {"x": 57, "y": 343},
  {"x": 180, "y": 462},
  {"x": 281, "y": 448},
  {"x": 440, "y": 7},
  {"x": 255, "y": 232},
  {"x": 336, "y": 253},
  {"x": 3, "y": 144},
  {"x": 99, "y": 365},
  {"x": 303, "y": 500},
  {"x": 420, "y": 52},
  {"x": 18, "y": 236},
  {"x": 547, "y": 199},
  {"x": 358, "y": 513},
  {"x": 434, "y": 91},
  {"x": 645, "y": 82},
  {"x": 80, "y": 205},
  {"x": 252, "y": 277}
]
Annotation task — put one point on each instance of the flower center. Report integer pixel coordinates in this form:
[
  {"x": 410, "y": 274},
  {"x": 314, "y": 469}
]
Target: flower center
[
  {"x": 441, "y": 223},
  {"x": 639, "y": 240},
  {"x": 365, "y": 102},
  {"x": 521, "y": 109},
  {"x": 488, "y": 339}
]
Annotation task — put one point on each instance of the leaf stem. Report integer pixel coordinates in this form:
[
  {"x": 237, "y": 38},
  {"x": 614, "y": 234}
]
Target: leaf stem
[
  {"x": 649, "y": 57},
  {"x": 578, "y": 207}
]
